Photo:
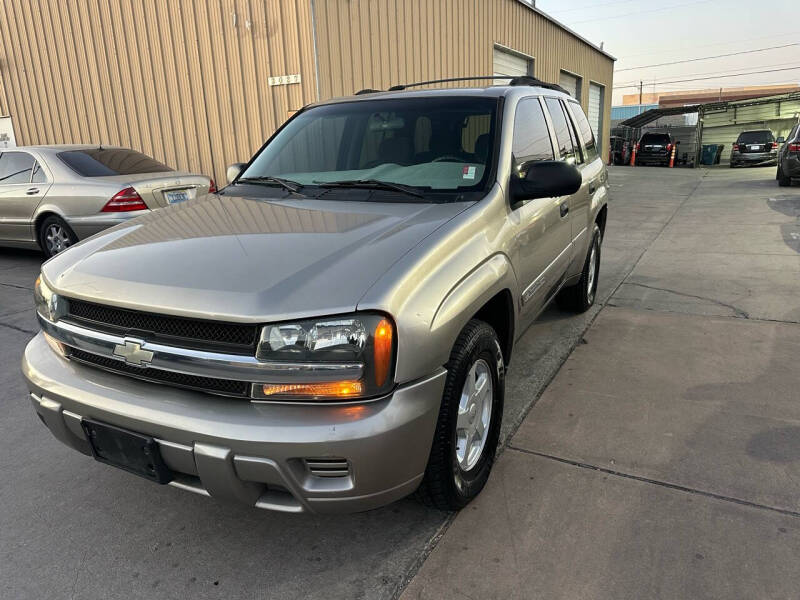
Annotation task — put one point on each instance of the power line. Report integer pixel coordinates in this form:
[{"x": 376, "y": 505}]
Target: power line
[
  {"x": 709, "y": 78},
  {"x": 689, "y": 60},
  {"x": 725, "y": 72},
  {"x": 641, "y": 12},
  {"x": 726, "y": 43},
  {"x": 589, "y": 6}
]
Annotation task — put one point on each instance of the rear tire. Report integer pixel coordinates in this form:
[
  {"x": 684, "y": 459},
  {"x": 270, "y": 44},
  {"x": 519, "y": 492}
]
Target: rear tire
[
  {"x": 462, "y": 455},
  {"x": 580, "y": 297},
  {"x": 783, "y": 181},
  {"x": 55, "y": 235}
]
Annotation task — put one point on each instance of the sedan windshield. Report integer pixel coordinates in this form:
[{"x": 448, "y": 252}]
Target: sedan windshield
[
  {"x": 755, "y": 137},
  {"x": 429, "y": 145}
]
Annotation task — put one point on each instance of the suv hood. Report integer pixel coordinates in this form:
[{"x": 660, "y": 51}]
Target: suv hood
[{"x": 245, "y": 259}]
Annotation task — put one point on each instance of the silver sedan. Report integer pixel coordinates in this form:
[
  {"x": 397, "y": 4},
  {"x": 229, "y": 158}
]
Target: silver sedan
[{"x": 53, "y": 196}]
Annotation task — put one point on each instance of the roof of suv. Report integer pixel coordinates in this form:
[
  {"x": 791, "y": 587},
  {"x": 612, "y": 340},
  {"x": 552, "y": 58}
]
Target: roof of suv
[{"x": 492, "y": 91}]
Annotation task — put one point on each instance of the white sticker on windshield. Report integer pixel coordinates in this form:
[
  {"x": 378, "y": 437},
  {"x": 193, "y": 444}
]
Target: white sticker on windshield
[{"x": 469, "y": 172}]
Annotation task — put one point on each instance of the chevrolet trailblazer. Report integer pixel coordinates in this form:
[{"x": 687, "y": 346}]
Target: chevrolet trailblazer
[{"x": 331, "y": 331}]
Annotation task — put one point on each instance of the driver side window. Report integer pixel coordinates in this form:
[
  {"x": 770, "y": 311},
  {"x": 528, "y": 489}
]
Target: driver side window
[{"x": 531, "y": 141}]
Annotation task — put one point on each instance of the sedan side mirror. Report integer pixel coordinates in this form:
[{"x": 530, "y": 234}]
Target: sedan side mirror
[
  {"x": 781, "y": 140},
  {"x": 678, "y": 143},
  {"x": 546, "y": 179},
  {"x": 234, "y": 170}
]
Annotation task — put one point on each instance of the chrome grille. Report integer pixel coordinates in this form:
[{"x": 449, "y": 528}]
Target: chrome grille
[
  {"x": 237, "y": 338},
  {"x": 225, "y": 387}
]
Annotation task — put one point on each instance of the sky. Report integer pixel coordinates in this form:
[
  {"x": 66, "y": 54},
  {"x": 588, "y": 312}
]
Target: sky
[{"x": 640, "y": 33}]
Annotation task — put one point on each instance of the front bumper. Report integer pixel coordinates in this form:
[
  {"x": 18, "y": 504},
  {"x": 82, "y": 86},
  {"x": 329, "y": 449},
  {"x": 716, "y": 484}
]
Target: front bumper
[{"x": 251, "y": 453}]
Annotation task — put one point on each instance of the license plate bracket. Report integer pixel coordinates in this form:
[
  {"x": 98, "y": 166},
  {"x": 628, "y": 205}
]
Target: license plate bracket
[{"x": 127, "y": 450}]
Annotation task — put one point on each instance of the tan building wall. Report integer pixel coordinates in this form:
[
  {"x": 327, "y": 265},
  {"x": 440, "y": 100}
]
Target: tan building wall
[
  {"x": 183, "y": 81},
  {"x": 379, "y": 43},
  {"x": 187, "y": 81}
]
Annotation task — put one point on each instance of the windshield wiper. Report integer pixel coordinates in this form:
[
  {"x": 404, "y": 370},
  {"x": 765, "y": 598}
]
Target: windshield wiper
[
  {"x": 373, "y": 184},
  {"x": 287, "y": 184}
]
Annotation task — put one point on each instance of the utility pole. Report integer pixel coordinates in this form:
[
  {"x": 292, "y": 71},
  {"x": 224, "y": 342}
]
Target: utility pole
[{"x": 641, "y": 83}]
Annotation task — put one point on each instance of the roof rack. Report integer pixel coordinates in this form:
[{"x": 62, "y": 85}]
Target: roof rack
[
  {"x": 513, "y": 80},
  {"x": 366, "y": 91}
]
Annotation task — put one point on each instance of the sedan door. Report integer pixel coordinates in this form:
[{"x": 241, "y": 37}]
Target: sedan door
[
  {"x": 541, "y": 243},
  {"x": 23, "y": 184}
]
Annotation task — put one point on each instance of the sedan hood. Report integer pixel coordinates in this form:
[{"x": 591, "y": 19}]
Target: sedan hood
[{"x": 245, "y": 259}]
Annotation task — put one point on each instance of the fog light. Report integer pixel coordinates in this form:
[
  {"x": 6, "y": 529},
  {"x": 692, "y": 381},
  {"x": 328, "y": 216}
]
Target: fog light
[{"x": 311, "y": 391}]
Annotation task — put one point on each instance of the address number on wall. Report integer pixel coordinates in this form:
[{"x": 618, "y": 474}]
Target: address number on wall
[{"x": 284, "y": 79}]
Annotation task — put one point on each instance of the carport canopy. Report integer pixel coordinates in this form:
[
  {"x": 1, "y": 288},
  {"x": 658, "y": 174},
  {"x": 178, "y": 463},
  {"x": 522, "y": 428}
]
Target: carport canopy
[{"x": 656, "y": 113}]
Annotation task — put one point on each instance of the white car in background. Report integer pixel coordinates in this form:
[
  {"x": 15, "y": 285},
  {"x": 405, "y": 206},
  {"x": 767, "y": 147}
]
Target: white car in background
[{"x": 53, "y": 196}]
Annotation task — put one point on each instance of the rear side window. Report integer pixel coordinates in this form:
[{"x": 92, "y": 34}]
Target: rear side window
[
  {"x": 102, "y": 162},
  {"x": 587, "y": 135},
  {"x": 566, "y": 151},
  {"x": 531, "y": 141},
  {"x": 38, "y": 175},
  {"x": 756, "y": 137},
  {"x": 16, "y": 167}
]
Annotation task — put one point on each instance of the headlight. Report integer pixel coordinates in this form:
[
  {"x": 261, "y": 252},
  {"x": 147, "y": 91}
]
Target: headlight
[
  {"x": 48, "y": 304},
  {"x": 364, "y": 342}
]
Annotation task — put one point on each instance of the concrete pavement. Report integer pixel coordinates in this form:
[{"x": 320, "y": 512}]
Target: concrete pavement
[
  {"x": 75, "y": 528},
  {"x": 664, "y": 459}
]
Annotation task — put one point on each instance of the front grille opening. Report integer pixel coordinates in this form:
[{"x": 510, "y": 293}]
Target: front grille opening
[
  {"x": 225, "y": 387},
  {"x": 237, "y": 338},
  {"x": 327, "y": 467}
]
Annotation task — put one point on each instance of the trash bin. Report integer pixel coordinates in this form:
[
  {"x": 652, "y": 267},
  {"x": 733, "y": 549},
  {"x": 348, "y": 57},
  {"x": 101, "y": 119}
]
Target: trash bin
[{"x": 708, "y": 154}]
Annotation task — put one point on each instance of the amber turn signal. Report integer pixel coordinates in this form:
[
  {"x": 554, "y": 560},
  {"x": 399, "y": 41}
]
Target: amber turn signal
[
  {"x": 383, "y": 351},
  {"x": 334, "y": 389}
]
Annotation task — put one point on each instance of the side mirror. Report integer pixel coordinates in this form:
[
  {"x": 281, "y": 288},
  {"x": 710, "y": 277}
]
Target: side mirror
[
  {"x": 781, "y": 140},
  {"x": 546, "y": 179},
  {"x": 678, "y": 143},
  {"x": 234, "y": 170}
]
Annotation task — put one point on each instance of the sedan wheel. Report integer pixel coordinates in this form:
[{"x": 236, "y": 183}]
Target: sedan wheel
[{"x": 55, "y": 236}]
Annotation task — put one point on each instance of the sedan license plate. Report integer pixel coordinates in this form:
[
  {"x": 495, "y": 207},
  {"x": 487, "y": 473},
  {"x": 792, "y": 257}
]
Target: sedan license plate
[
  {"x": 177, "y": 196},
  {"x": 133, "y": 452},
  {"x": 754, "y": 147}
]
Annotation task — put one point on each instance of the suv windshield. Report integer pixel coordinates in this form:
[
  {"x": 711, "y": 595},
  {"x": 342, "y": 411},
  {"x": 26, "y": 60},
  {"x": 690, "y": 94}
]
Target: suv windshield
[
  {"x": 755, "y": 137},
  {"x": 426, "y": 144},
  {"x": 103, "y": 162}
]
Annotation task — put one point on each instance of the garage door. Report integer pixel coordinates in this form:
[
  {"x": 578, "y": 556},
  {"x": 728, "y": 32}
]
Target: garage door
[
  {"x": 513, "y": 65},
  {"x": 596, "y": 111},
  {"x": 569, "y": 82}
]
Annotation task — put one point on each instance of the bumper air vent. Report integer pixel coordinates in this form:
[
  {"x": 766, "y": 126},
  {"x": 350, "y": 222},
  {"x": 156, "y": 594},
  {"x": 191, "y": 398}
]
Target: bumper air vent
[{"x": 328, "y": 467}]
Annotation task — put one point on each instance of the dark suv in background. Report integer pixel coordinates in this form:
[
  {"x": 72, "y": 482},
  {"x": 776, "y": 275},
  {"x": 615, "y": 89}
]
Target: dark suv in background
[
  {"x": 789, "y": 159},
  {"x": 655, "y": 149},
  {"x": 755, "y": 148}
]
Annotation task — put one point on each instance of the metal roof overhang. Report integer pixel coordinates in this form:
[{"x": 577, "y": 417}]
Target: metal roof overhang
[{"x": 656, "y": 113}]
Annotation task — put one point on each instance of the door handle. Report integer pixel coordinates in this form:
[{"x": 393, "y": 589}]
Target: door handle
[
  {"x": 563, "y": 209},
  {"x": 592, "y": 190},
  {"x": 32, "y": 191}
]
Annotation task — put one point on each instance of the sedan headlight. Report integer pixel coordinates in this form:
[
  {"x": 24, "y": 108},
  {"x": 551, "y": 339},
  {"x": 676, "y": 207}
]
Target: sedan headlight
[{"x": 361, "y": 347}]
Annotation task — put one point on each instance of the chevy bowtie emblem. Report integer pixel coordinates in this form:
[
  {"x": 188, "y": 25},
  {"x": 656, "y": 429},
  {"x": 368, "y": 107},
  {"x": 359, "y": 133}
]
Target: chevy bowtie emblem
[{"x": 133, "y": 354}]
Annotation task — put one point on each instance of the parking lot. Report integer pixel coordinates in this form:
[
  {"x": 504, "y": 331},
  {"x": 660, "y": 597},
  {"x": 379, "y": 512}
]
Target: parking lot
[{"x": 651, "y": 446}]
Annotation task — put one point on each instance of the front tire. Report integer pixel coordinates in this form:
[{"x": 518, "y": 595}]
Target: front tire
[
  {"x": 468, "y": 429},
  {"x": 580, "y": 297},
  {"x": 55, "y": 235}
]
